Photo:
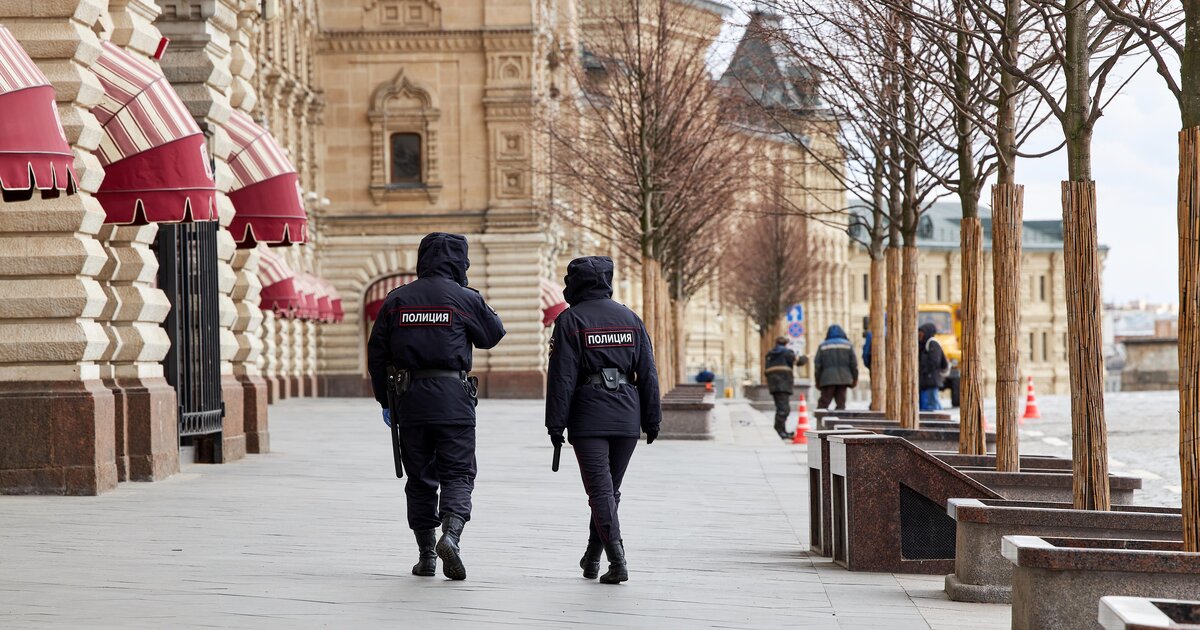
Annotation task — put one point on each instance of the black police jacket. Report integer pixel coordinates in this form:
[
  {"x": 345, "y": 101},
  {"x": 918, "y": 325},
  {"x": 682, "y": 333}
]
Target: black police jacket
[
  {"x": 594, "y": 333},
  {"x": 432, "y": 323}
]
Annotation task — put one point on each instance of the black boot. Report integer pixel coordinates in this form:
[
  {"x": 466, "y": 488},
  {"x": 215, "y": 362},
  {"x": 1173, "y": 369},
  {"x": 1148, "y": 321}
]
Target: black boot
[
  {"x": 617, "y": 570},
  {"x": 426, "y": 541},
  {"x": 590, "y": 563},
  {"x": 781, "y": 429},
  {"x": 447, "y": 547}
]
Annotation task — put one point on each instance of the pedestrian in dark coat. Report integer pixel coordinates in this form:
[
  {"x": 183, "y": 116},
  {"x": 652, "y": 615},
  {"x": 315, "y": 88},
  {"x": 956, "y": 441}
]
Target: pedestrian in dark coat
[
  {"x": 933, "y": 365},
  {"x": 602, "y": 390},
  {"x": 836, "y": 368},
  {"x": 427, "y": 328},
  {"x": 781, "y": 379}
]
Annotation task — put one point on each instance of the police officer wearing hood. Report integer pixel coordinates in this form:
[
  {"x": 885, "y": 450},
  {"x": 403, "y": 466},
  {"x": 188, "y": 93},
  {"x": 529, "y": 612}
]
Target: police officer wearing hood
[
  {"x": 602, "y": 390},
  {"x": 425, "y": 331}
]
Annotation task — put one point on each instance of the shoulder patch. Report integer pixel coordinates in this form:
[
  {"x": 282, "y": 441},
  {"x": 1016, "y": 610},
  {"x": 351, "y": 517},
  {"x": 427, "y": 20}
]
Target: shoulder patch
[
  {"x": 607, "y": 337},
  {"x": 426, "y": 316}
]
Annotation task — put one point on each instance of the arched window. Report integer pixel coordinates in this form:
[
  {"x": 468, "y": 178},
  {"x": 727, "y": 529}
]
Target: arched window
[{"x": 406, "y": 159}]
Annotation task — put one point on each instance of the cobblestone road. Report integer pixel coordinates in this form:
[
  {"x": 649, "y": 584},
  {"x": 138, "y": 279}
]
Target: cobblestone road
[{"x": 312, "y": 536}]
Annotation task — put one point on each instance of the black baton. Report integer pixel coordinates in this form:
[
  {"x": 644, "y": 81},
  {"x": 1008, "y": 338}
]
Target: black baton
[
  {"x": 557, "y": 453},
  {"x": 395, "y": 430}
]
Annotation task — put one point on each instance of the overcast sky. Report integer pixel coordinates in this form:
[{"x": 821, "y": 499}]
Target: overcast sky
[{"x": 1135, "y": 166}]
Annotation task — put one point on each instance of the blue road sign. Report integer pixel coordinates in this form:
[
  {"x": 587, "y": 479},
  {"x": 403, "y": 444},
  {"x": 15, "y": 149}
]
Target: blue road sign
[
  {"x": 796, "y": 329},
  {"x": 796, "y": 313}
]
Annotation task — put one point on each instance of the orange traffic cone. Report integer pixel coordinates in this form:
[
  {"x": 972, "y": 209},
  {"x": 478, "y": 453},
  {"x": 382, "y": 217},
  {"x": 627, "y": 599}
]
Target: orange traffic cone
[
  {"x": 802, "y": 423},
  {"x": 708, "y": 387},
  {"x": 1031, "y": 408}
]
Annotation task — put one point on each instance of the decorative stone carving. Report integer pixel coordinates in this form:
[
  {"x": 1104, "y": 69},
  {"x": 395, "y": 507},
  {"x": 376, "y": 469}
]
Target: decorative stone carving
[{"x": 404, "y": 14}]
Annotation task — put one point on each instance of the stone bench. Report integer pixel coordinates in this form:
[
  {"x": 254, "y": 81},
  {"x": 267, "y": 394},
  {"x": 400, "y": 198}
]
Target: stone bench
[
  {"x": 1030, "y": 484},
  {"x": 982, "y": 574},
  {"x": 820, "y": 522},
  {"x": 761, "y": 400},
  {"x": 1058, "y": 582},
  {"x": 888, "y": 500},
  {"x": 687, "y": 413},
  {"x": 1140, "y": 613},
  {"x": 867, "y": 414}
]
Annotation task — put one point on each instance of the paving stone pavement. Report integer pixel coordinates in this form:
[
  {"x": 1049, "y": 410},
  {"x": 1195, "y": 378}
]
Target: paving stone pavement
[{"x": 313, "y": 536}]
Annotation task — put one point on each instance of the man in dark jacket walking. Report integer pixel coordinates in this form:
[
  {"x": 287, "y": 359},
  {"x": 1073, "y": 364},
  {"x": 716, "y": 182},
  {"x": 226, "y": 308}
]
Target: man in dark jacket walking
[
  {"x": 781, "y": 379},
  {"x": 602, "y": 389},
  {"x": 933, "y": 365},
  {"x": 836, "y": 368},
  {"x": 426, "y": 328}
]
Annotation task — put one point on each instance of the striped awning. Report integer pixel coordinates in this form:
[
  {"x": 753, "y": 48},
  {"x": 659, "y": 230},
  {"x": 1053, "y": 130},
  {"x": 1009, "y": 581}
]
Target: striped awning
[
  {"x": 266, "y": 190},
  {"x": 156, "y": 165},
  {"x": 328, "y": 302},
  {"x": 34, "y": 154},
  {"x": 552, "y": 301},
  {"x": 279, "y": 293},
  {"x": 310, "y": 291},
  {"x": 373, "y": 301}
]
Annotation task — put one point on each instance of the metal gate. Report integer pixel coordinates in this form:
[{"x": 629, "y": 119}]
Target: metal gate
[{"x": 187, "y": 273}]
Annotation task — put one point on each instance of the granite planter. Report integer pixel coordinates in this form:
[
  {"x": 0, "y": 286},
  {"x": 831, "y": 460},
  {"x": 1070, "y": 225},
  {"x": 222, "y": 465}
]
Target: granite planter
[
  {"x": 820, "y": 522},
  {"x": 887, "y": 502},
  {"x": 1058, "y": 582},
  {"x": 687, "y": 414},
  {"x": 982, "y": 574},
  {"x": 1139, "y": 613},
  {"x": 924, "y": 439},
  {"x": 867, "y": 414},
  {"x": 1041, "y": 462},
  {"x": 1048, "y": 485}
]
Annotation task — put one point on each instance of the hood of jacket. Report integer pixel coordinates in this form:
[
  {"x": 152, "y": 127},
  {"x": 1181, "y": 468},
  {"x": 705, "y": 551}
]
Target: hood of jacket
[
  {"x": 835, "y": 332},
  {"x": 443, "y": 255},
  {"x": 589, "y": 278},
  {"x": 929, "y": 330}
]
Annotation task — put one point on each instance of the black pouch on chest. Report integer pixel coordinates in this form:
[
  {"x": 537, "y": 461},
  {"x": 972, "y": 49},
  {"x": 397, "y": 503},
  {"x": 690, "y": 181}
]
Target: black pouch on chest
[{"x": 611, "y": 378}]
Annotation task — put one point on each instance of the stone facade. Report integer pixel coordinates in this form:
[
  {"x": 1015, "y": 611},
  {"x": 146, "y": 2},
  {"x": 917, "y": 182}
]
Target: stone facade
[{"x": 463, "y": 81}]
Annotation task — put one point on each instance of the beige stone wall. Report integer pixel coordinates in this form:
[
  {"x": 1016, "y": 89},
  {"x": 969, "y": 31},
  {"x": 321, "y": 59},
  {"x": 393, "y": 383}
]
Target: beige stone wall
[
  {"x": 1043, "y": 309},
  {"x": 467, "y": 77}
]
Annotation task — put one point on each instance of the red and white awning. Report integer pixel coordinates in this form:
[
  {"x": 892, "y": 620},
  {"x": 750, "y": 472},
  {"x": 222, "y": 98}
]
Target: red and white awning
[
  {"x": 328, "y": 302},
  {"x": 34, "y": 154},
  {"x": 279, "y": 293},
  {"x": 552, "y": 301},
  {"x": 156, "y": 165},
  {"x": 266, "y": 192},
  {"x": 309, "y": 289},
  {"x": 373, "y": 301}
]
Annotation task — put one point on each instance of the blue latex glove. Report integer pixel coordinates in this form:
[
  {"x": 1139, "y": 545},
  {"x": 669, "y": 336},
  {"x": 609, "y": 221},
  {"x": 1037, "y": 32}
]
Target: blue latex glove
[{"x": 387, "y": 417}]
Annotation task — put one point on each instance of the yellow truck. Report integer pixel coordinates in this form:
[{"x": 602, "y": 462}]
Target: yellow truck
[{"x": 947, "y": 318}]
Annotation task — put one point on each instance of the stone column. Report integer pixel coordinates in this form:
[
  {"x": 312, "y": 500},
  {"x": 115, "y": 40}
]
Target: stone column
[
  {"x": 198, "y": 66},
  {"x": 147, "y": 429},
  {"x": 513, "y": 263},
  {"x": 245, "y": 361},
  {"x": 283, "y": 357},
  {"x": 56, "y": 417}
]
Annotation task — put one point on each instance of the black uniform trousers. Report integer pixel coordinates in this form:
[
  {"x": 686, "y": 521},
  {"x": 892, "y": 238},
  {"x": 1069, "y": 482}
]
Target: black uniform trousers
[
  {"x": 602, "y": 464},
  {"x": 782, "y": 402},
  {"x": 438, "y": 455}
]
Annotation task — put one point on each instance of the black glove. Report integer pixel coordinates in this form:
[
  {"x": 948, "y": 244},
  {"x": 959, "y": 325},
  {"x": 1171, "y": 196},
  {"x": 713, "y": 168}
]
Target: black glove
[
  {"x": 556, "y": 436},
  {"x": 651, "y": 436}
]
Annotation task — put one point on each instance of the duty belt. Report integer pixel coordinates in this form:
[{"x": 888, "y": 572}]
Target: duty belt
[
  {"x": 779, "y": 368},
  {"x": 610, "y": 378},
  {"x": 456, "y": 374}
]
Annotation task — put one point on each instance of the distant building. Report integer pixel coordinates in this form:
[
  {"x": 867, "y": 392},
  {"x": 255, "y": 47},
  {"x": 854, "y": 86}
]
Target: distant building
[{"x": 1043, "y": 297}]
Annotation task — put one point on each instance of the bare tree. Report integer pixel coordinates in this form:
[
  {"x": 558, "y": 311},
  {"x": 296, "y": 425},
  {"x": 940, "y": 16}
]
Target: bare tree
[
  {"x": 769, "y": 268},
  {"x": 1172, "y": 30},
  {"x": 645, "y": 149},
  {"x": 1087, "y": 46}
]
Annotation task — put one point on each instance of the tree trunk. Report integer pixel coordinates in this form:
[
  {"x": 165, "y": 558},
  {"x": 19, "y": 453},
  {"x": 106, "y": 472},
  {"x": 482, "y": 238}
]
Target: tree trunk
[
  {"x": 679, "y": 338},
  {"x": 972, "y": 425},
  {"x": 1089, "y": 439},
  {"x": 893, "y": 336},
  {"x": 879, "y": 362},
  {"x": 1007, "y": 209},
  {"x": 1189, "y": 334},
  {"x": 909, "y": 363},
  {"x": 652, "y": 317}
]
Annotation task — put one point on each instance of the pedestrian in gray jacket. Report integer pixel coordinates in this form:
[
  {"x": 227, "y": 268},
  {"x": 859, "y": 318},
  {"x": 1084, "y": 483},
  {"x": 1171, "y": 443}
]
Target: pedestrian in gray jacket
[{"x": 835, "y": 367}]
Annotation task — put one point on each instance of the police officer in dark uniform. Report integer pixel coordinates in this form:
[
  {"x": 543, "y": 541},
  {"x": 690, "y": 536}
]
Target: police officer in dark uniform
[
  {"x": 780, "y": 361},
  {"x": 425, "y": 331},
  {"x": 603, "y": 390}
]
